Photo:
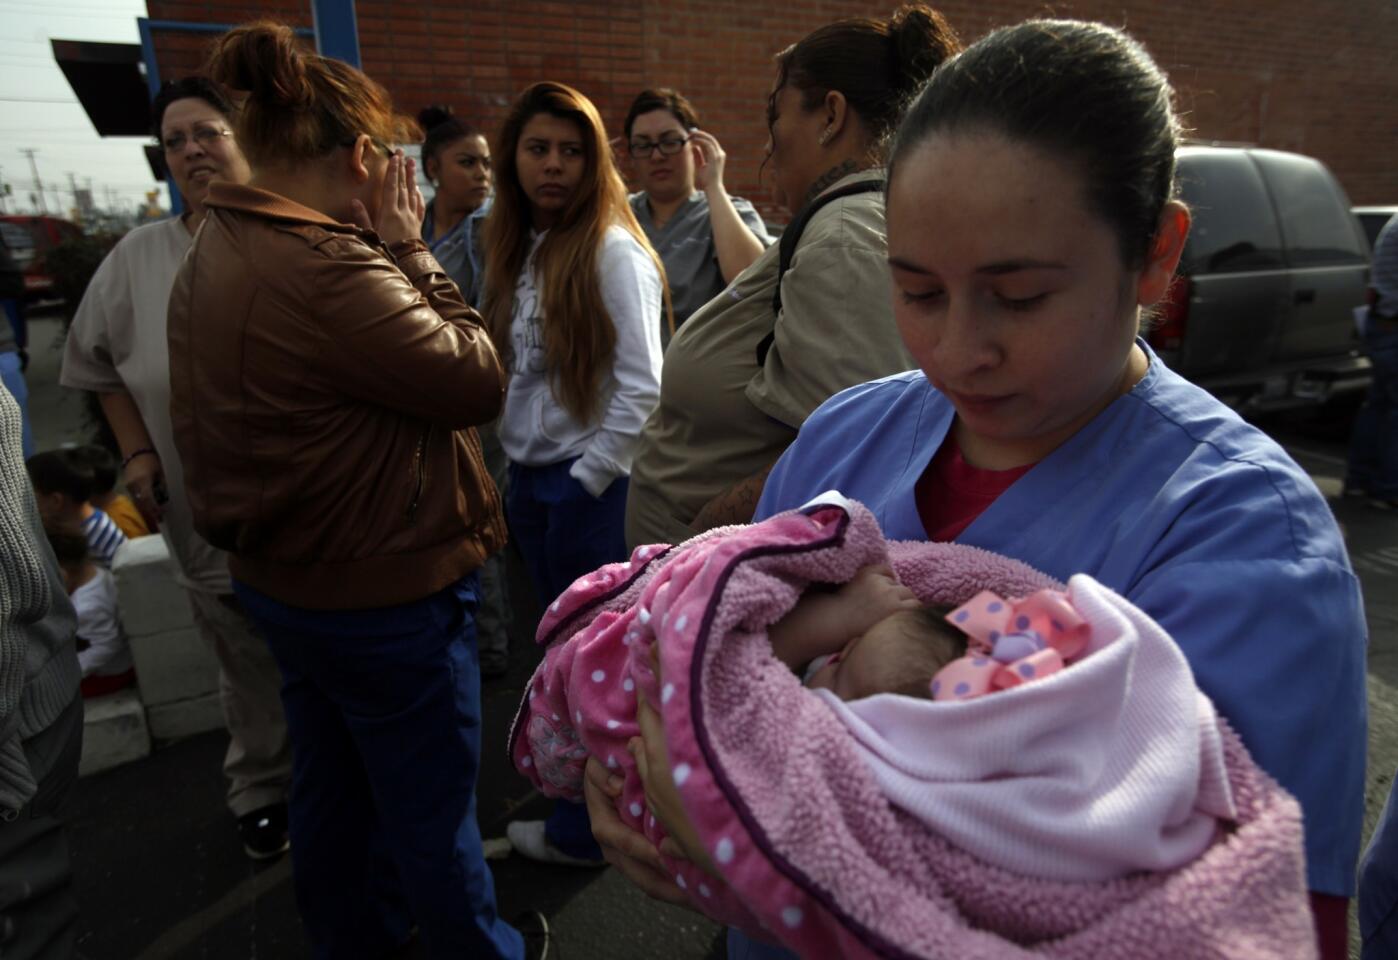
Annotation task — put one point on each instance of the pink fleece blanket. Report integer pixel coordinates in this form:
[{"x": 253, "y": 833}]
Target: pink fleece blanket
[{"x": 814, "y": 854}]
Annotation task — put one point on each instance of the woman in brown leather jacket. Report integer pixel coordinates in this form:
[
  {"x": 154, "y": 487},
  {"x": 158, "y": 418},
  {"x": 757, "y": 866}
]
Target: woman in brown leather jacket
[{"x": 326, "y": 375}]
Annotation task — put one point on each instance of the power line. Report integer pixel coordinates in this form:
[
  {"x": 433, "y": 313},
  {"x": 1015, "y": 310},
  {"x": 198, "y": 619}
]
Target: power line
[
  {"x": 124, "y": 17},
  {"x": 32, "y": 100}
]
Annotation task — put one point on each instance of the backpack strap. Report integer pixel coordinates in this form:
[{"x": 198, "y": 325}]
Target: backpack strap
[{"x": 791, "y": 236}]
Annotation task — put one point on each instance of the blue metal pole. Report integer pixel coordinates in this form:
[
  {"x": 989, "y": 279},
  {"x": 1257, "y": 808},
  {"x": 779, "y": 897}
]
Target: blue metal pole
[
  {"x": 337, "y": 30},
  {"x": 144, "y": 25}
]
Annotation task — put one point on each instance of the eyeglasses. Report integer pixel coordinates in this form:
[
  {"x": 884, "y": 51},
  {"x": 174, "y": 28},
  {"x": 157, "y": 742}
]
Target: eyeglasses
[
  {"x": 349, "y": 142},
  {"x": 668, "y": 147},
  {"x": 205, "y": 137}
]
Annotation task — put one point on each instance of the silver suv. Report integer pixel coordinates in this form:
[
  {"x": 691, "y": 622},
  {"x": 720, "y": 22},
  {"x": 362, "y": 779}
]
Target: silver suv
[{"x": 1262, "y": 311}]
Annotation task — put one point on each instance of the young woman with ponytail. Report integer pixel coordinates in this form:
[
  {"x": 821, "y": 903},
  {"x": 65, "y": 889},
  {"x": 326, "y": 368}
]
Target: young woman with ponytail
[
  {"x": 574, "y": 300},
  {"x": 326, "y": 375}
]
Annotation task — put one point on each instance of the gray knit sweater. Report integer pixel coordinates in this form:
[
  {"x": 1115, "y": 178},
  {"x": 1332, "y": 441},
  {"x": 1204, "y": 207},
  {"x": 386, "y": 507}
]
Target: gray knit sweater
[{"x": 38, "y": 659}]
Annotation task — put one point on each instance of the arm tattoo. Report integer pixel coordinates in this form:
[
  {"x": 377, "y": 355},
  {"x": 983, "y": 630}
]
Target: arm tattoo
[{"x": 736, "y": 504}]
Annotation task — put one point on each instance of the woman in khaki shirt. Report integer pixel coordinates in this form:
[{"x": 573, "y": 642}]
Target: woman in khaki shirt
[{"x": 724, "y": 414}]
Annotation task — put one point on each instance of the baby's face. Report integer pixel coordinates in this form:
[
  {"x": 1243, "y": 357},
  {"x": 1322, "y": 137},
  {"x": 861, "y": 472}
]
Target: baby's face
[{"x": 853, "y": 672}]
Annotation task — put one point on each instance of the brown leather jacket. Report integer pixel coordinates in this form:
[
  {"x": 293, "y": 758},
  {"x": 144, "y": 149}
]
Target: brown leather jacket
[{"x": 323, "y": 390}]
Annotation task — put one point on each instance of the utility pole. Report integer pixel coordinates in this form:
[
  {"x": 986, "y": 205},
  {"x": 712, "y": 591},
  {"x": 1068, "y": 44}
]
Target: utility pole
[
  {"x": 4, "y": 193},
  {"x": 38, "y": 184},
  {"x": 82, "y": 200}
]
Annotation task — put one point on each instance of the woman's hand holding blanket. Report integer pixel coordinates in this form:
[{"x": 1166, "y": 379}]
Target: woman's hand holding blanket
[
  {"x": 662, "y": 797},
  {"x": 626, "y": 849}
]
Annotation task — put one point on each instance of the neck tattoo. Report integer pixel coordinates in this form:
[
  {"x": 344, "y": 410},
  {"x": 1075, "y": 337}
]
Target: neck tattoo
[{"x": 829, "y": 177}]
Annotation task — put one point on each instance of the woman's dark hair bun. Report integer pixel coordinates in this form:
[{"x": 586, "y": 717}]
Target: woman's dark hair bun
[
  {"x": 434, "y": 116},
  {"x": 920, "y": 38}
]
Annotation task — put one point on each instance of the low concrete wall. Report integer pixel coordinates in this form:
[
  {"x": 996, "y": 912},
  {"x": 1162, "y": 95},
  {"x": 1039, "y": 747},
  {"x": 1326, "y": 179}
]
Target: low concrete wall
[{"x": 176, "y": 672}]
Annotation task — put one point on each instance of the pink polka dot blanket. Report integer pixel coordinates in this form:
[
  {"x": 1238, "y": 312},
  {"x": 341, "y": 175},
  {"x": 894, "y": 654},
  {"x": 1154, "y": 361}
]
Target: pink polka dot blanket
[{"x": 1103, "y": 810}]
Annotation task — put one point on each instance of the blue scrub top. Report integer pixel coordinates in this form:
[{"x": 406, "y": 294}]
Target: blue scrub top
[
  {"x": 458, "y": 251},
  {"x": 1198, "y": 518}
]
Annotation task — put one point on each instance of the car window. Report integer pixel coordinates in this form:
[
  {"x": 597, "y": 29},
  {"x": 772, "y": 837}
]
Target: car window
[
  {"x": 18, "y": 240},
  {"x": 14, "y": 236},
  {"x": 1316, "y": 221},
  {"x": 1373, "y": 224},
  {"x": 1233, "y": 227}
]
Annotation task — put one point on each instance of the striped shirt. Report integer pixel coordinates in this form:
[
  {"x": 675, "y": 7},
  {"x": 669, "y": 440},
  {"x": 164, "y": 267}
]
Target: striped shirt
[
  {"x": 1385, "y": 270},
  {"x": 103, "y": 537}
]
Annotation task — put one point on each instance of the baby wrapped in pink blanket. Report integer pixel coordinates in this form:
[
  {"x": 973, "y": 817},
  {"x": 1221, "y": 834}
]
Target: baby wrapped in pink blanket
[{"x": 1101, "y": 811}]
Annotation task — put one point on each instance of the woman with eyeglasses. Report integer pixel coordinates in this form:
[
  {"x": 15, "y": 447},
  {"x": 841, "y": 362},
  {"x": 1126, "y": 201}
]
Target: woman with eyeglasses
[
  {"x": 704, "y": 236},
  {"x": 813, "y": 314},
  {"x": 117, "y": 348},
  {"x": 326, "y": 376}
]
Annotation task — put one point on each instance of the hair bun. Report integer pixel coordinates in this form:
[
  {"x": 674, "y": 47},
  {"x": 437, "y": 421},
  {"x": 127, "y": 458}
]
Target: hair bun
[
  {"x": 266, "y": 60},
  {"x": 921, "y": 38},
  {"x": 434, "y": 116}
]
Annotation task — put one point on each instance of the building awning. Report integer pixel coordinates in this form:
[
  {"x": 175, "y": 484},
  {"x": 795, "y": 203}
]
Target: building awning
[{"x": 110, "y": 81}]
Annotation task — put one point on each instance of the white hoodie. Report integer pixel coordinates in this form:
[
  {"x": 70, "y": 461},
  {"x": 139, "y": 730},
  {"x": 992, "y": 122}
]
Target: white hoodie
[{"x": 535, "y": 429}]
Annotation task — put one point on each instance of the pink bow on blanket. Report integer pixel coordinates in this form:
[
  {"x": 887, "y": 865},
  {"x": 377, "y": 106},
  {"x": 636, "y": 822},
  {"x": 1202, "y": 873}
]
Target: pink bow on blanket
[{"x": 1012, "y": 642}]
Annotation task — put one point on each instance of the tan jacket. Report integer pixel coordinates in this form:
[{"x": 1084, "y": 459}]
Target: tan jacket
[
  {"x": 723, "y": 416},
  {"x": 323, "y": 388}
]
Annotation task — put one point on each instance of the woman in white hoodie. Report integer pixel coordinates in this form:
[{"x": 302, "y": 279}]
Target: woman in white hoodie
[{"x": 574, "y": 298}]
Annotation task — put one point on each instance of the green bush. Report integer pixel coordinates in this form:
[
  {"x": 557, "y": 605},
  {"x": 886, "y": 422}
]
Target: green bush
[{"x": 72, "y": 264}]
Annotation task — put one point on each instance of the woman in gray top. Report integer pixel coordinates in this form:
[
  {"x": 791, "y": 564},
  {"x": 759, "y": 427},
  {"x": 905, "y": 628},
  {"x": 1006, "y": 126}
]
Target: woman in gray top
[{"x": 704, "y": 237}]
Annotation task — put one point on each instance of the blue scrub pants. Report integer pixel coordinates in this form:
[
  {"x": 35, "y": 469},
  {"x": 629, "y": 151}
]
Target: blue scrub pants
[
  {"x": 383, "y": 709},
  {"x": 743, "y": 947},
  {"x": 564, "y": 532},
  {"x": 1378, "y": 887},
  {"x": 1373, "y": 454},
  {"x": 13, "y": 379}
]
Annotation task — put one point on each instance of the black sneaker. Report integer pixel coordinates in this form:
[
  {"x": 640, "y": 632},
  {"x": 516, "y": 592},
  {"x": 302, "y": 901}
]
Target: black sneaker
[
  {"x": 264, "y": 832},
  {"x": 538, "y": 941}
]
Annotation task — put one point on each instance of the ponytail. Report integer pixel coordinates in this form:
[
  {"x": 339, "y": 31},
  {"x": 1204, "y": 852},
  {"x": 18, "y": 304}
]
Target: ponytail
[{"x": 878, "y": 65}]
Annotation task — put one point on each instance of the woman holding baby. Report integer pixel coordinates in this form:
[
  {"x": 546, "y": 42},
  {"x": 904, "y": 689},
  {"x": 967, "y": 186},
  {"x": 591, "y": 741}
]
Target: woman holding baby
[{"x": 1032, "y": 224}]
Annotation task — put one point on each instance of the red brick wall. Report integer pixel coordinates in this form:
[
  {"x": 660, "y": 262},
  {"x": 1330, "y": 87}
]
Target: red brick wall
[
  {"x": 178, "y": 53},
  {"x": 1310, "y": 77}
]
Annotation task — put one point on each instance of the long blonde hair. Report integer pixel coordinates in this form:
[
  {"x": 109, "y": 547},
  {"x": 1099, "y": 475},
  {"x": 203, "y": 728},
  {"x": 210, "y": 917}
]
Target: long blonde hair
[{"x": 579, "y": 335}]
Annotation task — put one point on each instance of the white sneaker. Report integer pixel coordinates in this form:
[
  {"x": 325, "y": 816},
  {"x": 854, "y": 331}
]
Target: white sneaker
[
  {"x": 527, "y": 838},
  {"x": 496, "y": 848}
]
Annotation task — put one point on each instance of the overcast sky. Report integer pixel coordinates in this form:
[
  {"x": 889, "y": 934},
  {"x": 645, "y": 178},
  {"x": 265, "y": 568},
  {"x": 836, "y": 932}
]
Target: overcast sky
[{"x": 38, "y": 109}]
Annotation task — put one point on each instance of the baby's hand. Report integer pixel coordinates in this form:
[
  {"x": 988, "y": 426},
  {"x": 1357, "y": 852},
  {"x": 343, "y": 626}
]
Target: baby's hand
[
  {"x": 872, "y": 595},
  {"x": 824, "y": 622}
]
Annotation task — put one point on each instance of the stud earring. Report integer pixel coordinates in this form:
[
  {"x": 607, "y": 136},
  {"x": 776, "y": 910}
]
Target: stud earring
[{"x": 824, "y": 137}]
